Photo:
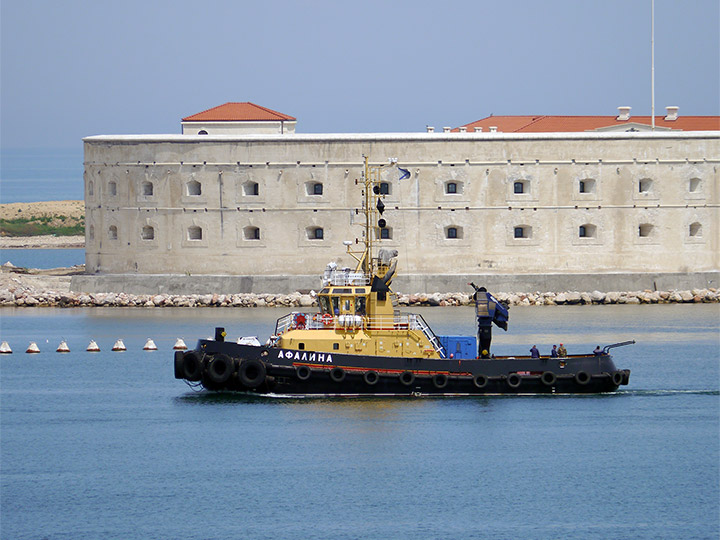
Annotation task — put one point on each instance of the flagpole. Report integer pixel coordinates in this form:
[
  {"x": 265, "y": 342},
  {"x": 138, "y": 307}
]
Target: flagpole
[{"x": 652, "y": 62}]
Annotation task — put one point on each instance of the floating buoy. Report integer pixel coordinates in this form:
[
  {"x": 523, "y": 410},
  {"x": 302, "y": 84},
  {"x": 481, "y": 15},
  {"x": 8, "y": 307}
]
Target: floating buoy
[
  {"x": 63, "y": 347},
  {"x": 92, "y": 346},
  {"x": 5, "y": 348},
  {"x": 150, "y": 345},
  {"x": 32, "y": 348},
  {"x": 119, "y": 346},
  {"x": 180, "y": 345}
]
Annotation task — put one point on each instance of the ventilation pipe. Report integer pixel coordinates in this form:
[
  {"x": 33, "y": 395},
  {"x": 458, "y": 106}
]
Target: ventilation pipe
[{"x": 623, "y": 114}]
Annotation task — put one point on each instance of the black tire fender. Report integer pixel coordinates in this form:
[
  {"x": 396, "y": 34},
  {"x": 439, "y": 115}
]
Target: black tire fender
[
  {"x": 481, "y": 381},
  {"x": 252, "y": 373},
  {"x": 192, "y": 366},
  {"x": 407, "y": 378},
  {"x": 548, "y": 378},
  {"x": 626, "y": 376},
  {"x": 303, "y": 372},
  {"x": 582, "y": 378},
  {"x": 337, "y": 374},
  {"x": 179, "y": 355},
  {"x": 220, "y": 368},
  {"x": 440, "y": 380},
  {"x": 617, "y": 378},
  {"x": 514, "y": 380},
  {"x": 371, "y": 377}
]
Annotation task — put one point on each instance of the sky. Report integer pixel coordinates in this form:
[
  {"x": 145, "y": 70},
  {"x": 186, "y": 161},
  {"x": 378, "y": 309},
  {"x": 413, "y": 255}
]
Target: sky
[{"x": 75, "y": 68}]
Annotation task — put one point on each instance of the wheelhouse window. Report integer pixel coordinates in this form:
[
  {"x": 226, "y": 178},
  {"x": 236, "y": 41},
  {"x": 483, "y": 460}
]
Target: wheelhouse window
[
  {"x": 519, "y": 187},
  {"x": 384, "y": 188},
  {"x": 453, "y": 232},
  {"x": 451, "y": 188},
  {"x": 385, "y": 234}
]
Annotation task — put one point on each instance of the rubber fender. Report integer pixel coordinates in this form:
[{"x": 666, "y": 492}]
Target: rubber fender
[
  {"x": 582, "y": 378},
  {"x": 371, "y": 377},
  {"x": 337, "y": 374},
  {"x": 179, "y": 355},
  {"x": 220, "y": 368},
  {"x": 440, "y": 380},
  {"x": 548, "y": 378},
  {"x": 481, "y": 381},
  {"x": 617, "y": 378},
  {"x": 252, "y": 373},
  {"x": 407, "y": 378},
  {"x": 192, "y": 366},
  {"x": 303, "y": 373},
  {"x": 514, "y": 380},
  {"x": 626, "y": 376}
]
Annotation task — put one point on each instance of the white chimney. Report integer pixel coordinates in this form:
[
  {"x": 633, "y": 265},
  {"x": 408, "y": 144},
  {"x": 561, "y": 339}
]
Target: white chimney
[
  {"x": 462, "y": 129},
  {"x": 672, "y": 113},
  {"x": 478, "y": 130},
  {"x": 446, "y": 129},
  {"x": 430, "y": 129},
  {"x": 623, "y": 113}
]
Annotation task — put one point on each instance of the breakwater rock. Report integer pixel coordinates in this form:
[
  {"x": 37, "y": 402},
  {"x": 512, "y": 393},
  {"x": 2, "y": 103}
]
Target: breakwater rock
[{"x": 15, "y": 292}]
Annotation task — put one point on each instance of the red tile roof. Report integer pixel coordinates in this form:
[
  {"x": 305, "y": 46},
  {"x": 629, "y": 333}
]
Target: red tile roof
[
  {"x": 238, "y": 112},
  {"x": 553, "y": 124}
]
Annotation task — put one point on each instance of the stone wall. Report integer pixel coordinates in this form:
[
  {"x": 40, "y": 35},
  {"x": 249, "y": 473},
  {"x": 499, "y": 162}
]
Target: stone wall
[{"x": 590, "y": 204}]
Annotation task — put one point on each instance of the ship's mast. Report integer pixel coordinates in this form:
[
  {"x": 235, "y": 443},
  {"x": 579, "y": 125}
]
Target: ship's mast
[{"x": 372, "y": 207}]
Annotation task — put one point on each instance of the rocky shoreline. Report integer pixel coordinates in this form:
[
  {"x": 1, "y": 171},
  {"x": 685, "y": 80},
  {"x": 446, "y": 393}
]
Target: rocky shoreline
[
  {"x": 54, "y": 291},
  {"x": 42, "y": 242}
]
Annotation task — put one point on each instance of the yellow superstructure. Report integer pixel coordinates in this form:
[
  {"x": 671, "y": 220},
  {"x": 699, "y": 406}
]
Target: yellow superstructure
[{"x": 357, "y": 312}]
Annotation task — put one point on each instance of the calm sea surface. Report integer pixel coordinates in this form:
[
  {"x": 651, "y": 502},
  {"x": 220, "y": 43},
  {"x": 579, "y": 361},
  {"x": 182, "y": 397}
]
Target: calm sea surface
[
  {"x": 110, "y": 445},
  {"x": 37, "y": 174},
  {"x": 43, "y": 258}
]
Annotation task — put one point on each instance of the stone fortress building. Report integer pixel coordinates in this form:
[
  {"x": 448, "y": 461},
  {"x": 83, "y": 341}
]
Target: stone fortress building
[{"x": 240, "y": 202}]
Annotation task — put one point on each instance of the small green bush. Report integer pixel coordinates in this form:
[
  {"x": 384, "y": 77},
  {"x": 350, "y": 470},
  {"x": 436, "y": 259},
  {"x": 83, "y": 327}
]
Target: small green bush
[{"x": 39, "y": 226}]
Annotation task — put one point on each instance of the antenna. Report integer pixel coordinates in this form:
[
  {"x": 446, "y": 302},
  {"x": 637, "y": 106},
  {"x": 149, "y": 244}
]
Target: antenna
[{"x": 652, "y": 63}]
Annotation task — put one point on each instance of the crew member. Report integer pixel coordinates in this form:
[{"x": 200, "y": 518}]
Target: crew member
[{"x": 489, "y": 310}]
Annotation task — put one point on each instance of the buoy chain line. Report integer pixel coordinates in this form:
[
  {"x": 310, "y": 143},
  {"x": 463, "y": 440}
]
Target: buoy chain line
[{"x": 119, "y": 346}]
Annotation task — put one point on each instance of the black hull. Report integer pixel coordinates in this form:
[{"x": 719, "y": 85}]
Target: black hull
[{"x": 223, "y": 366}]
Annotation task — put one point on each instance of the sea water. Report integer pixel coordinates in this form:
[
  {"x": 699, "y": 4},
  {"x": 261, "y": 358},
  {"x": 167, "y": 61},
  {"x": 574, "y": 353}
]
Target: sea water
[
  {"x": 111, "y": 445},
  {"x": 41, "y": 174},
  {"x": 43, "y": 258}
]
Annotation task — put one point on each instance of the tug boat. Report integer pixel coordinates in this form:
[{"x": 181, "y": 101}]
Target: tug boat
[{"x": 357, "y": 343}]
